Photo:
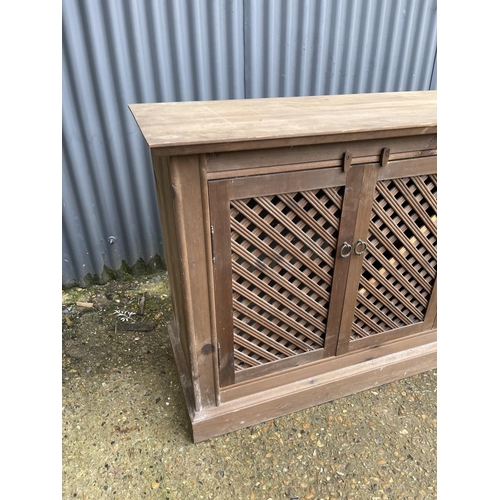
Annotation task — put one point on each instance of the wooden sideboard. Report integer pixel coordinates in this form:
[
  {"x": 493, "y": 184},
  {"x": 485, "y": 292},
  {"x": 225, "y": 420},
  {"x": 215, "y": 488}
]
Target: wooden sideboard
[{"x": 300, "y": 238}]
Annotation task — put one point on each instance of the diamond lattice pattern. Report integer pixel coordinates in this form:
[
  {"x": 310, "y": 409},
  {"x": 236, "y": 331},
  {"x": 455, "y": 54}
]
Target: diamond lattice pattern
[
  {"x": 282, "y": 250},
  {"x": 400, "y": 264}
]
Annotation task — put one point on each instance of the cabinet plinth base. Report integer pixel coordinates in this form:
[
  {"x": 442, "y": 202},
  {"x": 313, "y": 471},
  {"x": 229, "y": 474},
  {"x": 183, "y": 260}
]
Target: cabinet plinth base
[{"x": 319, "y": 385}]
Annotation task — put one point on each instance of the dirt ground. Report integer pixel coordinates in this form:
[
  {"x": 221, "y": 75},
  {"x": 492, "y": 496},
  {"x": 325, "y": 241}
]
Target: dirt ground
[{"x": 125, "y": 433}]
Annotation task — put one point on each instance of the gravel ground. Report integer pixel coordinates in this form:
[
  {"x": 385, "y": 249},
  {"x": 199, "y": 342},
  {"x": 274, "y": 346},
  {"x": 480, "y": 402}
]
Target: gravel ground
[{"x": 125, "y": 431}]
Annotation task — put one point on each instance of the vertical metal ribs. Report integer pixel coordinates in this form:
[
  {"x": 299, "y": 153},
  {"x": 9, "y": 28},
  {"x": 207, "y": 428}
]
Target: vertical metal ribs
[
  {"x": 400, "y": 265},
  {"x": 282, "y": 250}
]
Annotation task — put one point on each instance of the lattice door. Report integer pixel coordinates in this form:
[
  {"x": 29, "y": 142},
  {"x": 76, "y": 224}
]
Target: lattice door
[
  {"x": 286, "y": 294},
  {"x": 400, "y": 264},
  {"x": 282, "y": 260}
]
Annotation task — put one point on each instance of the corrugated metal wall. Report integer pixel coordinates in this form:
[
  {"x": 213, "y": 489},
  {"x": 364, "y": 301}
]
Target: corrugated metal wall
[
  {"x": 313, "y": 47},
  {"x": 125, "y": 51}
]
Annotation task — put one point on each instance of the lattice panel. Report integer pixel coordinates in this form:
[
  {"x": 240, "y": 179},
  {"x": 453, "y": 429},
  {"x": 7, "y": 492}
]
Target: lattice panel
[
  {"x": 400, "y": 264},
  {"x": 282, "y": 251}
]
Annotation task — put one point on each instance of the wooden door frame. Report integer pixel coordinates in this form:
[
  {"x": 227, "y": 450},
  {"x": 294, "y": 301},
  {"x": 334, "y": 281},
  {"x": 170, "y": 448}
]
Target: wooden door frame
[
  {"x": 396, "y": 169},
  {"x": 359, "y": 190},
  {"x": 220, "y": 194},
  {"x": 360, "y": 183}
]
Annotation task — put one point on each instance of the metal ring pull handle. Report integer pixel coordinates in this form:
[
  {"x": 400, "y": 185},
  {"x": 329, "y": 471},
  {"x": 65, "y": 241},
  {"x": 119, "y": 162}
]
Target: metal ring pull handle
[
  {"x": 363, "y": 245},
  {"x": 344, "y": 247}
]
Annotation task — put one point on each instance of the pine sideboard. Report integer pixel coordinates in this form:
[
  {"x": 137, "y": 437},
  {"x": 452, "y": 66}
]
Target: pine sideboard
[{"x": 300, "y": 240}]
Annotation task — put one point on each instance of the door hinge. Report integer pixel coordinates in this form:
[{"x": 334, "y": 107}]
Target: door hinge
[
  {"x": 218, "y": 355},
  {"x": 212, "y": 237}
]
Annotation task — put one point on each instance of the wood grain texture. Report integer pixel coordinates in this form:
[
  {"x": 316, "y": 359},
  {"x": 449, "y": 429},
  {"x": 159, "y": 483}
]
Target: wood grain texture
[
  {"x": 291, "y": 141},
  {"x": 315, "y": 368},
  {"x": 311, "y": 391},
  {"x": 164, "y": 197},
  {"x": 431, "y": 313},
  {"x": 239, "y": 162},
  {"x": 210, "y": 271},
  {"x": 408, "y": 168},
  {"x": 276, "y": 366},
  {"x": 220, "y": 123},
  {"x": 297, "y": 324},
  {"x": 287, "y": 182},
  {"x": 191, "y": 243},
  {"x": 350, "y": 206},
  {"x": 389, "y": 336},
  {"x": 219, "y": 208},
  {"x": 368, "y": 179},
  {"x": 183, "y": 370},
  {"x": 391, "y": 286}
]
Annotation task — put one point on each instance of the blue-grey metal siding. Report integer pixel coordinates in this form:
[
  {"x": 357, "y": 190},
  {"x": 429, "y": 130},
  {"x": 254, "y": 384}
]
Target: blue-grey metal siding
[
  {"x": 125, "y": 51},
  {"x": 313, "y": 47}
]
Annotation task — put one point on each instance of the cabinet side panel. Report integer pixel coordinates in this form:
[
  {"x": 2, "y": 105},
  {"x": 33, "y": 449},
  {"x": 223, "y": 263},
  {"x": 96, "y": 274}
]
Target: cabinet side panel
[
  {"x": 164, "y": 196},
  {"x": 187, "y": 201}
]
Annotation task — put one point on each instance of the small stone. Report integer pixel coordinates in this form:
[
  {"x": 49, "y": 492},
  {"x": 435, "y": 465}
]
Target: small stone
[
  {"x": 404, "y": 431},
  {"x": 308, "y": 495},
  {"x": 154, "y": 485},
  {"x": 381, "y": 462},
  {"x": 303, "y": 485},
  {"x": 252, "y": 496},
  {"x": 305, "y": 426}
]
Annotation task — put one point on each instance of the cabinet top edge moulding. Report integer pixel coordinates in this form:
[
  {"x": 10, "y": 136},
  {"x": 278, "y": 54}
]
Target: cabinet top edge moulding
[{"x": 178, "y": 128}]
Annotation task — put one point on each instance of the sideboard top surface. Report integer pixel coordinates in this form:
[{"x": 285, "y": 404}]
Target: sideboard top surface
[{"x": 198, "y": 126}]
